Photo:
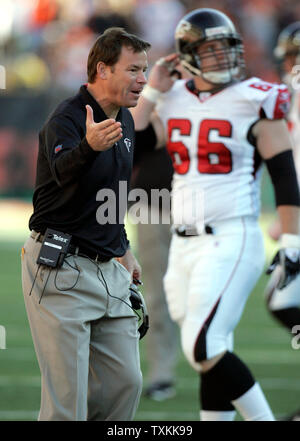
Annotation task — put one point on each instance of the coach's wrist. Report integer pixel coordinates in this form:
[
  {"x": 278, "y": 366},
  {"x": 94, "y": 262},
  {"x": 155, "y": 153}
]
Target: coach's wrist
[{"x": 151, "y": 94}]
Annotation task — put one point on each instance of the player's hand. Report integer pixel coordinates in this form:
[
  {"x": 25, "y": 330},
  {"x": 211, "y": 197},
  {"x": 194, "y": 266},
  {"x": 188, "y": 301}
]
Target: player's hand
[
  {"x": 285, "y": 266},
  {"x": 131, "y": 264},
  {"x": 163, "y": 74},
  {"x": 101, "y": 136}
]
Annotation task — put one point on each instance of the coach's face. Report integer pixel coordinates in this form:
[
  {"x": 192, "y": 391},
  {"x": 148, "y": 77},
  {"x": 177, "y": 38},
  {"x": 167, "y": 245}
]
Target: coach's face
[{"x": 126, "y": 79}]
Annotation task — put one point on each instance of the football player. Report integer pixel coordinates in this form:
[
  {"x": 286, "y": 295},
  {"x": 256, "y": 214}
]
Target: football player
[
  {"x": 284, "y": 303},
  {"x": 219, "y": 128}
]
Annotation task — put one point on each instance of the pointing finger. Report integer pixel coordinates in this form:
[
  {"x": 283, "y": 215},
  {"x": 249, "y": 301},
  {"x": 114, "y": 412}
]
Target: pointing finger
[{"x": 89, "y": 115}]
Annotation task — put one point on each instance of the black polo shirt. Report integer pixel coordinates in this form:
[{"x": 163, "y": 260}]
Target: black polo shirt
[{"x": 70, "y": 174}]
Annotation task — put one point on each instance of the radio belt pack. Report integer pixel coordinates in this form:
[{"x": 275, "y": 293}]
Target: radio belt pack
[{"x": 54, "y": 248}]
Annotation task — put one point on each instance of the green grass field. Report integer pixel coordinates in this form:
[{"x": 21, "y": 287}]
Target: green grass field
[{"x": 264, "y": 345}]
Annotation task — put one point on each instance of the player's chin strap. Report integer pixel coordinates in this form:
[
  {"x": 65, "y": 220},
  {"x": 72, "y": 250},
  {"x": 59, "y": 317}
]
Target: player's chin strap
[
  {"x": 192, "y": 87},
  {"x": 287, "y": 259},
  {"x": 138, "y": 303}
]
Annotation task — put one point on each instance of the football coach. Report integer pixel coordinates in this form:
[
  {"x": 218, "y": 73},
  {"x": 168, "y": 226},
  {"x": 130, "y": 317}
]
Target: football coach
[{"x": 76, "y": 271}]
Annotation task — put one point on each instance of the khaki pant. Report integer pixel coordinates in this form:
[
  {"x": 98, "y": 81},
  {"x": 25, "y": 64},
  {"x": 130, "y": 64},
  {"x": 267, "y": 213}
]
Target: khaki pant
[{"x": 86, "y": 341}]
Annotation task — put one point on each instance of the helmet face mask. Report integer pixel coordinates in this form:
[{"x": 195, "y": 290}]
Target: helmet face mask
[{"x": 210, "y": 47}]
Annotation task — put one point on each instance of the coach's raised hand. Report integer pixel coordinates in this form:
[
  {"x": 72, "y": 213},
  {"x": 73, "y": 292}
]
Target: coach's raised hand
[{"x": 101, "y": 136}]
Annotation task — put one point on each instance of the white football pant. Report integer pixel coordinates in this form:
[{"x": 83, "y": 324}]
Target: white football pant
[{"x": 208, "y": 281}]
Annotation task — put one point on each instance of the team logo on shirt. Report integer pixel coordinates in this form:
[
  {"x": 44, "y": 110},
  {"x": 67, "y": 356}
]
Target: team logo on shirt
[
  {"x": 127, "y": 142},
  {"x": 58, "y": 148}
]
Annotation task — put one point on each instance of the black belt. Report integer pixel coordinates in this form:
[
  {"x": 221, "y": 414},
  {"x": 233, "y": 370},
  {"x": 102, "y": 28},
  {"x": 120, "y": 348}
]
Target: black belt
[
  {"x": 184, "y": 231},
  {"x": 76, "y": 250}
]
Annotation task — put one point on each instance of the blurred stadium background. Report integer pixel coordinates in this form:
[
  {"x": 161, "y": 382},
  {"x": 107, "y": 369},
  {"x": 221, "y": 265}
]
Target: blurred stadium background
[{"x": 43, "y": 48}]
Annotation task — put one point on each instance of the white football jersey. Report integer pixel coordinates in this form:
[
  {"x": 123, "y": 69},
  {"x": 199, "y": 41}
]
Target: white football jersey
[{"x": 207, "y": 138}]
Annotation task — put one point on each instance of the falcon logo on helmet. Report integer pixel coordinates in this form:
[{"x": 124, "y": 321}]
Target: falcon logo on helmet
[
  {"x": 220, "y": 63},
  {"x": 288, "y": 41},
  {"x": 287, "y": 53}
]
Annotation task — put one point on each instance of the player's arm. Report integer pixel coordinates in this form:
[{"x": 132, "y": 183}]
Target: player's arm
[
  {"x": 275, "y": 147},
  {"x": 151, "y": 138},
  {"x": 160, "y": 81}
]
